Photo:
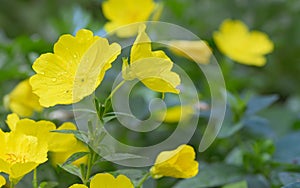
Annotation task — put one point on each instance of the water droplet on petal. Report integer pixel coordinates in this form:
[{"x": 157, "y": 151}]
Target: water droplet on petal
[
  {"x": 42, "y": 73},
  {"x": 54, "y": 79}
]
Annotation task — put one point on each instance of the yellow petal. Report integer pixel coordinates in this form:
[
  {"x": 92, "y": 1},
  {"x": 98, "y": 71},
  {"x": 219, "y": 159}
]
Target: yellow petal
[
  {"x": 2, "y": 181},
  {"x": 61, "y": 157},
  {"x": 40, "y": 129},
  {"x": 60, "y": 142},
  {"x": 78, "y": 186},
  {"x": 12, "y": 120},
  {"x": 156, "y": 74},
  {"x": 123, "y": 182},
  {"x": 74, "y": 70},
  {"x": 18, "y": 170},
  {"x": 106, "y": 180}
]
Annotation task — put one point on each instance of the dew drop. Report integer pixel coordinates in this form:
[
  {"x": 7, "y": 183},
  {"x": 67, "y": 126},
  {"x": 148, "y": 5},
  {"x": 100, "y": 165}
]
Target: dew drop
[
  {"x": 42, "y": 73},
  {"x": 54, "y": 79}
]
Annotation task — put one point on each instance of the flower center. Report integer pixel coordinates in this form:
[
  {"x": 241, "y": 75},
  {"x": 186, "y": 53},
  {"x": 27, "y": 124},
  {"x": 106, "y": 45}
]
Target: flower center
[{"x": 16, "y": 158}]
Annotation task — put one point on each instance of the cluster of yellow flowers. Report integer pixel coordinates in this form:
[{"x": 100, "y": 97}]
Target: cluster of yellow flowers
[
  {"x": 77, "y": 67},
  {"x": 28, "y": 143}
]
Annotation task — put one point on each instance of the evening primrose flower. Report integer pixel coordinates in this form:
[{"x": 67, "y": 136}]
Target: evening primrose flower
[
  {"x": 105, "y": 180},
  {"x": 2, "y": 181},
  {"x": 74, "y": 70},
  {"x": 22, "y": 100},
  {"x": 178, "y": 163},
  {"x": 124, "y": 12},
  {"x": 20, "y": 154},
  {"x": 197, "y": 51},
  {"x": 236, "y": 42},
  {"x": 57, "y": 142},
  {"x": 152, "y": 68}
]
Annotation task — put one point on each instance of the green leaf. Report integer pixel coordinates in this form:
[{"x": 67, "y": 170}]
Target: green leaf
[
  {"x": 50, "y": 184},
  {"x": 292, "y": 185},
  {"x": 213, "y": 175},
  {"x": 241, "y": 184},
  {"x": 108, "y": 118},
  {"x": 121, "y": 156},
  {"x": 229, "y": 129},
  {"x": 287, "y": 178},
  {"x": 72, "y": 169},
  {"x": 259, "y": 103},
  {"x": 80, "y": 135},
  {"x": 74, "y": 157},
  {"x": 287, "y": 149}
]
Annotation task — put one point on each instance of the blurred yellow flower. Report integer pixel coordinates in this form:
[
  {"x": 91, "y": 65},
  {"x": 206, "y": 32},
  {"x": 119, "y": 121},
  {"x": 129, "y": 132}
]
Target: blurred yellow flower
[
  {"x": 175, "y": 114},
  {"x": 20, "y": 154},
  {"x": 74, "y": 70},
  {"x": 236, "y": 42},
  {"x": 124, "y": 12},
  {"x": 2, "y": 181},
  {"x": 22, "y": 101},
  {"x": 178, "y": 163},
  {"x": 105, "y": 180},
  {"x": 197, "y": 51},
  {"x": 152, "y": 68},
  {"x": 60, "y": 142},
  {"x": 61, "y": 157}
]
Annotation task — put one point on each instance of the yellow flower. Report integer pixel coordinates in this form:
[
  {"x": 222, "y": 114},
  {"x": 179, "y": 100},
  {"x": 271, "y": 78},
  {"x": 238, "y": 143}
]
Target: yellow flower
[
  {"x": 197, "y": 51},
  {"x": 152, "y": 68},
  {"x": 2, "y": 181},
  {"x": 105, "y": 180},
  {"x": 74, "y": 70},
  {"x": 124, "y": 12},
  {"x": 175, "y": 114},
  {"x": 22, "y": 101},
  {"x": 236, "y": 42},
  {"x": 57, "y": 142},
  {"x": 20, "y": 154},
  {"x": 178, "y": 163}
]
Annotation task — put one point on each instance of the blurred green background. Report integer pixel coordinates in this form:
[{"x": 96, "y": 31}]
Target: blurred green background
[{"x": 31, "y": 27}]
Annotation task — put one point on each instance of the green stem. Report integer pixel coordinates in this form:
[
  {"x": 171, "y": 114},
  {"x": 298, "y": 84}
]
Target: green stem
[
  {"x": 34, "y": 181},
  {"x": 12, "y": 185},
  {"x": 142, "y": 181},
  {"x": 110, "y": 96},
  {"x": 286, "y": 166},
  {"x": 115, "y": 89},
  {"x": 89, "y": 166}
]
